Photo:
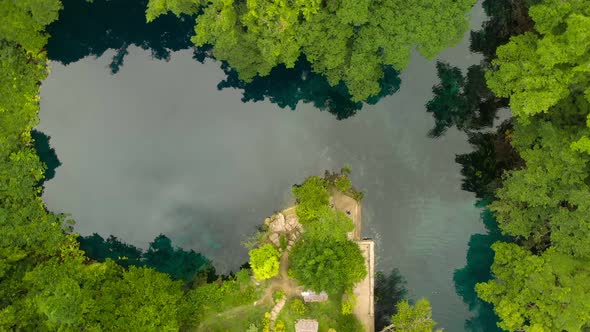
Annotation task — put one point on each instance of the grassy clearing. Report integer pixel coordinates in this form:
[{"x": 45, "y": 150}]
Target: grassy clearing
[
  {"x": 328, "y": 314},
  {"x": 236, "y": 319}
]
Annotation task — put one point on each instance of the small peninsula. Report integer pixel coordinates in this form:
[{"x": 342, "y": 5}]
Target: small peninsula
[{"x": 310, "y": 269}]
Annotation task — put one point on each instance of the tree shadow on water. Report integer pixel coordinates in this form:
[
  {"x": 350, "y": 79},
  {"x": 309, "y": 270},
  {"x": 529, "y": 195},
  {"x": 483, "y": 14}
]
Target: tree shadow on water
[
  {"x": 480, "y": 257},
  {"x": 389, "y": 290},
  {"x": 91, "y": 28},
  {"x": 462, "y": 101},
  {"x": 46, "y": 154},
  {"x": 186, "y": 265},
  {"x": 482, "y": 170},
  {"x": 286, "y": 87}
]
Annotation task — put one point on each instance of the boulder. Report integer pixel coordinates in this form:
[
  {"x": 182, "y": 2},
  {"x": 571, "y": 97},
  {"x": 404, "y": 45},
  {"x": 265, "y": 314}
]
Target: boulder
[
  {"x": 274, "y": 238},
  {"x": 278, "y": 224}
]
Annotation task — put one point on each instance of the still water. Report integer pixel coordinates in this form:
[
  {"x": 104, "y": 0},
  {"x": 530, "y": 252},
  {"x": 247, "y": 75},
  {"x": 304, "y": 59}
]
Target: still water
[{"x": 157, "y": 148}]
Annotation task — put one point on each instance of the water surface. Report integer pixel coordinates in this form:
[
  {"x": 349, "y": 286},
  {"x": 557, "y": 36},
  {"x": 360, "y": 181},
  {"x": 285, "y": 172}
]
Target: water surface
[{"x": 157, "y": 148}]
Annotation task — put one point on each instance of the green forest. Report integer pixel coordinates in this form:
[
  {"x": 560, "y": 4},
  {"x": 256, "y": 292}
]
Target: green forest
[{"x": 532, "y": 173}]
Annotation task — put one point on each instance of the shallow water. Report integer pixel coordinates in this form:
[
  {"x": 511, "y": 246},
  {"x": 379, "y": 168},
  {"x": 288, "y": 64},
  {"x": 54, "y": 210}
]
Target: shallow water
[{"x": 157, "y": 148}]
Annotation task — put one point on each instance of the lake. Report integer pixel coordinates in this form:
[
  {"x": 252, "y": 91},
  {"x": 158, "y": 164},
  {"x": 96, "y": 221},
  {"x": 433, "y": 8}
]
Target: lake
[{"x": 157, "y": 148}]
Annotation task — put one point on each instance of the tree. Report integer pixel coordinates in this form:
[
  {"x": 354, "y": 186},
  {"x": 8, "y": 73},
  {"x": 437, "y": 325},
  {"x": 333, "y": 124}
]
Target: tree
[
  {"x": 265, "y": 261},
  {"x": 331, "y": 266},
  {"x": 547, "y": 292},
  {"x": 537, "y": 70},
  {"x": 311, "y": 197},
  {"x": 389, "y": 290},
  {"x": 330, "y": 226},
  {"x": 413, "y": 318},
  {"x": 24, "y": 22},
  {"x": 548, "y": 202},
  {"x": 340, "y": 39}
]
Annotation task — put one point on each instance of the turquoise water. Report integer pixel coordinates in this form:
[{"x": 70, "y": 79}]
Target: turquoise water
[{"x": 157, "y": 148}]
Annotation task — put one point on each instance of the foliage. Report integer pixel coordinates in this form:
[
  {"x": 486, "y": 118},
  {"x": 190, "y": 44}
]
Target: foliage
[
  {"x": 311, "y": 197},
  {"x": 219, "y": 296},
  {"x": 72, "y": 295},
  {"x": 243, "y": 277},
  {"x": 90, "y": 28},
  {"x": 537, "y": 70},
  {"x": 99, "y": 249},
  {"x": 246, "y": 317},
  {"x": 283, "y": 241},
  {"x": 266, "y": 322},
  {"x": 506, "y": 18},
  {"x": 328, "y": 314},
  {"x": 547, "y": 292},
  {"x": 278, "y": 295},
  {"x": 331, "y": 266},
  {"x": 389, "y": 290},
  {"x": 339, "y": 38},
  {"x": 180, "y": 264},
  {"x": 348, "y": 303},
  {"x": 264, "y": 261},
  {"x": 413, "y": 318},
  {"x": 279, "y": 326},
  {"x": 330, "y": 226},
  {"x": 286, "y": 87},
  {"x": 25, "y": 20},
  {"x": 343, "y": 184},
  {"x": 161, "y": 255},
  {"x": 482, "y": 169},
  {"x": 297, "y": 307},
  {"x": 540, "y": 280},
  {"x": 548, "y": 202}
]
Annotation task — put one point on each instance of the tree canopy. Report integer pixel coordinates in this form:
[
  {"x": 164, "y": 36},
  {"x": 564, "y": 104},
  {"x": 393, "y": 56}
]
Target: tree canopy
[
  {"x": 264, "y": 261},
  {"x": 547, "y": 292},
  {"x": 539, "y": 69},
  {"x": 331, "y": 266},
  {"x": 346, "y": 41},
  {"x": 540, "y": 267},
  {"x": 161, "y": 255},
  {"x": 413, "y": 318}
]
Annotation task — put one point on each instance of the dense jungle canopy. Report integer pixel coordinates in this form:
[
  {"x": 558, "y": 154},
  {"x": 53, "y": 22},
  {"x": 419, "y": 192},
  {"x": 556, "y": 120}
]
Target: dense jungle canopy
[
  {"x": 348, "y": 41},
  {"x": 534, "y": 169}
]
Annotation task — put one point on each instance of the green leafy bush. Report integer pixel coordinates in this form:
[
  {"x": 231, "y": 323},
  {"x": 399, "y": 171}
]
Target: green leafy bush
[
  {"x": 331, "y": 266},
  {"x": 278, "y": 295},
  {"x": 264, "y": 262},
  {"x": 343, "y": 184},
  {"x": 297, "y": 307},
  {"x": 283, "y": 241},
  {"x": 348, "y": 303}
]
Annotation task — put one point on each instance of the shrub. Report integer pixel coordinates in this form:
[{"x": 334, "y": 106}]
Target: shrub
[
  {"x": 243, "y": 276},
  {"x": 278, "y": 295},
  {"x": 329, "y": 265},
  {"x": 343, "y": 184},
  {"x": 266, "y": 322},
  {"x": 264, "y": 262},
  {"x": 283, "y": 241},
  {"x": 310, "y": 196},
  {"x": 348, "y": 303},
  {"x": 280, "y": 326},
  {"x": 252, "y": 328},
  {"x": 297, "y": 307}
]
